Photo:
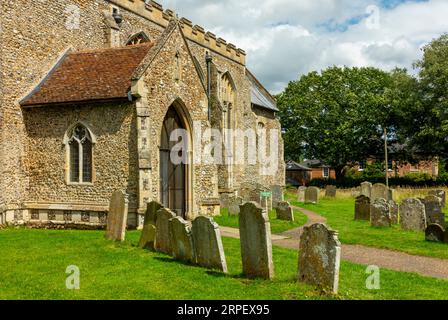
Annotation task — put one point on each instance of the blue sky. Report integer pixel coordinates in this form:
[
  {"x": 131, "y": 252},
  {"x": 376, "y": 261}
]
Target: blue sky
[{"x": 287, "y": 38}]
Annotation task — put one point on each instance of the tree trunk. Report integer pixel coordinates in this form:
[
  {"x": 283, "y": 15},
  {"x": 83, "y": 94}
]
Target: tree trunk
[{"x": 340, "y": 174}]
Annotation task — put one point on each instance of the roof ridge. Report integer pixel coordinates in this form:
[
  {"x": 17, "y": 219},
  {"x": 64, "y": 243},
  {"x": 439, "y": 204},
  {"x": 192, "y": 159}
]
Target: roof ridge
[{"x": 128, "y": 47}]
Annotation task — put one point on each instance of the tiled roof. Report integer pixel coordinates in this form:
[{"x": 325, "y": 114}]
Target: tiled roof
[
  {"x": 103, "y": 74},
  {"x": 294, "y": 166},
  {"x": 259, "y": 95}
]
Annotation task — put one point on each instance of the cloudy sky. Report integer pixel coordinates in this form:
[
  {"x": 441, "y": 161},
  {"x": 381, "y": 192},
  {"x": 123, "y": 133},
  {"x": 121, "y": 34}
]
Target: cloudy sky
[{"x": 287, "y": 38}]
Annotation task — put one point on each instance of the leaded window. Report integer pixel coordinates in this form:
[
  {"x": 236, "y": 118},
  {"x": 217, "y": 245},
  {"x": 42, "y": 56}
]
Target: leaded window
[{"x": 80, "y": 155}]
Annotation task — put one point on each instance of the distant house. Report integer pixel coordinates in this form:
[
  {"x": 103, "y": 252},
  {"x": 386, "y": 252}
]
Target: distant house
[{"x": 301, "y": 174}]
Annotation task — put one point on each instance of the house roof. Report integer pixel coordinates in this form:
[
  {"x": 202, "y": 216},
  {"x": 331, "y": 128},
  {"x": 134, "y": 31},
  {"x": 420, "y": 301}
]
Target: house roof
[
  {"x": 294, "y": 166},
  {"x": 260, "y": 97},
  {"x": 314, "y": 163},
  {"x": 103, "y": 74}
]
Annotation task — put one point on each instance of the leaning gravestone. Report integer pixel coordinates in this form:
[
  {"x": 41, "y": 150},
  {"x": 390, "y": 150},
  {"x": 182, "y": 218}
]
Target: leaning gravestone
[
  {"x": 362, "y": 208},
  {"x": 117, "y": 217},
  {"x": 366, "y": 189},
  {"x": 311, "y": 195},
  {"x": 256, "y": 245},
  {"x": 277, "y": 194},
  {"x": 380, "y": 213},
  {"x": 435, "y": 233},
  {"x": 207, "y": 242},
  {"x": 441, "y": 194},
  {"x": 148, "y": 236},
  {"x": 433, "y": 209},
  {"x": 163, "y": 239},
  {"x": 301, "y": 194},
  {"x": 181, "y": 240},
  {"x": 284, "y": 211},
  {"x": 394, "y": 212},
  {"x": 330, "y": 191},
  {"x": 412, "y": 215},
  {"x": 319, "y": 257},
  {"x": 379, "y": 191},
  {"x": 234, "y": 205}
]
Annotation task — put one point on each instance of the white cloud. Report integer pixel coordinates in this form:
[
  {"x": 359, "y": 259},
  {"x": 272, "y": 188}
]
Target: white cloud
[{"x": 287, "y": 38}]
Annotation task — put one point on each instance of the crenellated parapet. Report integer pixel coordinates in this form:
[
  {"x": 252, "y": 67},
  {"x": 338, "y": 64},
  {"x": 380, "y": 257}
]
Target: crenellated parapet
[{"x": 154, "y": 12}]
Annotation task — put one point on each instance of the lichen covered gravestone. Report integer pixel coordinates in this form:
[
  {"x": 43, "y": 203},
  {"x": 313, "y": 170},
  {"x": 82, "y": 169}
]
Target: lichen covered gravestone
[
  {"x": 284, "y": 211},
  {"x": 163, "y": 239},
  {"x": 366, "y": 189},
  {"x": 148, "y": 236},
  {"x": 330, "y": 191},
  {"x": 394, "y": 212},
  {"x": 181, "y": 240},
  {"x": 362, "y": 208},
  {"x": 412, "y": 215},
  {"x": 234, "y": 205},
  {"x": 380, "y": 213},
  {"x": 311, "y": 195},
  {"x": 256, "y": 245},
  {"x": 441, "y": 194},
  {"x": 433, "y": 209},
  {"x": 319, "y": 257},
  {"x": 117, "y": 217},
  {"x": 277, "y": 194},
  {"x": 209, "y": 251},
  {"x": 379, "y": 191},
  {"x": 301, "y": 194},
  {"x": 435, "y": 233}
]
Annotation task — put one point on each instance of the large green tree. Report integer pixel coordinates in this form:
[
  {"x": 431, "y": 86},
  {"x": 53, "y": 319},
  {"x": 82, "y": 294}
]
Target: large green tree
[{"x": 337, "y": 115}]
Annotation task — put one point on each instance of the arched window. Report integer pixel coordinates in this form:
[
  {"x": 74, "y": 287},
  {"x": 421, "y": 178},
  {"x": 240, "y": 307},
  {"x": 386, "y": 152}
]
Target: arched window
[
  {"x": 137, "y": 38},
  {"x": 80, "y": 150}
]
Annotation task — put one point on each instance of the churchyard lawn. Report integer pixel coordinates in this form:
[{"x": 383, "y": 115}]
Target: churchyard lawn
[
  {"x": 339, "y": 213},
  {"x": 277, "y": 226},
  {"x": 33, "y": 265}
]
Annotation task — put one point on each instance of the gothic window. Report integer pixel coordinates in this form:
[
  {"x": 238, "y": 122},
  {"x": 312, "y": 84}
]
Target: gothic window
[
  {"x": 137, "y": 38},
  {"x": 80, "y": 150}
]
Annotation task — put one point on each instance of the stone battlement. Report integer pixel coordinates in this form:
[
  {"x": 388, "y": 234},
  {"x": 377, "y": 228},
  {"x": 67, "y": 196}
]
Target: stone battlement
[{"x": 154, "y": 11}]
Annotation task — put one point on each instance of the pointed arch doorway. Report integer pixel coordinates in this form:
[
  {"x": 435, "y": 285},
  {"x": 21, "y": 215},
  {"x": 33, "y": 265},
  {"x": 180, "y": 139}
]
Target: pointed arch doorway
[{"x": 174, "y": 176}]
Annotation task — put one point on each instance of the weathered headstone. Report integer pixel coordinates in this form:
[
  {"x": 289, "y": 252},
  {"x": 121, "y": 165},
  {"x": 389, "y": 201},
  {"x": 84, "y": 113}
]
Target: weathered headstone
[
  {"x": 362, "y": 208},
  {"x": 330, "y": 191},
  {"x": 256, "y": 245},
  {"x": 379, "y": 191},
  {"x": 412, "y": 215},
  {"x": 163, "y": 239},
  {"x": 355, "y": 192},
  {"x": 441, "y": 194},
  {"x": 366, "y": 189},
  {"x": 284, "y": 211},
  {"x": 301, "y": 194},
  {"x": 234, "y": 205},
  {"x": 319, "y": 257},
  {"x": 181, "y": 240},
  {"x": 224, "y": 200},
  {"x": 435, "y": 233},
  {"x": 391, "y": 193},
  {"x": 148, "y": 236},
  {"x": 380, "y": 213},
  {"x": 433, "y": 209},
  {"x": 209, "y": 251},
  {"x": 394, "y": 212},
  {"x": 117, "y": 217},
  {"x": 311, "y": 195},
  {"x": 277, "y": 194}
]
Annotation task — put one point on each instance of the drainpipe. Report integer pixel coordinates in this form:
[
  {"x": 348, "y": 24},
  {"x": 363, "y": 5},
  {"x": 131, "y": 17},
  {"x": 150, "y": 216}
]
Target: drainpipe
[{"x": 209, "y": 60}]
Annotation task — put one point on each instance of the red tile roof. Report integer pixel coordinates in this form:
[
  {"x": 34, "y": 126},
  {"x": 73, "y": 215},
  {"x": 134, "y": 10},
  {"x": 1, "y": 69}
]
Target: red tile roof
[{"x": 103, "y": 74}]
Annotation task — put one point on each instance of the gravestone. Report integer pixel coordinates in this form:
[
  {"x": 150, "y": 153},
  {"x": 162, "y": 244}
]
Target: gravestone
[
  {"x": 380, "y": 213},
  {"x": 394, "y": 212},
  {"x": 224, "y": 199},
  {"x": 391, "y": 194},
  {"x": 209, "y": 251},
  {"x": 284, "y": 211},
  {"x": 441, "y": 194},
  {"x": 330, "y": 191},
  {"x": 366, "y": 189},
  {"x": 412, "y": 215},
  {"x": 319, "y": 257},
  {"x": 301, "y": 194},
  {"x": 163, "y": 239},
  {"x": 148, "y": 236},
  {"x": 117, "y": 217},
  {"x": 362, "y": 208},
  {"x": 435, "y": 233},
  {"x": 379, "y": 191},
  {"x": 311, "y": 195},
  {"x": 433, "y": 209},
  {"x": 277, "y": 194},
  {"x": 181, "y": 240},
  {"x": 256, "y": 245},
  {"x": 234, "y": 205},
  {"x": 356, "y": 192}
]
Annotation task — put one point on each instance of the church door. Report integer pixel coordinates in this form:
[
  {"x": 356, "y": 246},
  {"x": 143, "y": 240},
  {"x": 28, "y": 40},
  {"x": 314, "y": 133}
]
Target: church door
[{"x": 172, "y": 175}]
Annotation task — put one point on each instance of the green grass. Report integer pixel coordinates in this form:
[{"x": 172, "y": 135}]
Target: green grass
[
  {"x": 340, "y": 216},
  {"x": 277, "y": 226},
  {"x": 33, "y": 264}
]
